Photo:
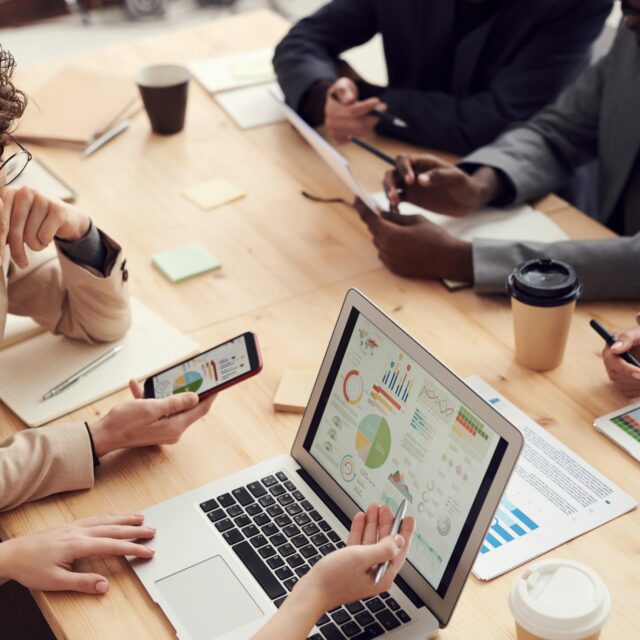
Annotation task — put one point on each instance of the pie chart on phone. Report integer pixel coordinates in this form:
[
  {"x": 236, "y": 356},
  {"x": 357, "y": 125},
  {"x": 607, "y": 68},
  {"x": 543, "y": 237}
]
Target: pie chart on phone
[{"x": 189, "y": 381}]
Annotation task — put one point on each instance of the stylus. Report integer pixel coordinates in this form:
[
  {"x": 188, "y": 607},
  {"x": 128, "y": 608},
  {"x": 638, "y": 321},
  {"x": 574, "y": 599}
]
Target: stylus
[
  {"x": 395, "y": 527},
  {"x": 611, "y": 340}
]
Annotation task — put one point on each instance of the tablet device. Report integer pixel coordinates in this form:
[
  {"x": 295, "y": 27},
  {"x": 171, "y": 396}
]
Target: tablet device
[{"x": 622, "y": 426}]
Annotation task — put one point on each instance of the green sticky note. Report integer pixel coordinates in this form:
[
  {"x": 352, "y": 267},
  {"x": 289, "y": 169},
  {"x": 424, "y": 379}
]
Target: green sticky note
[{"x": 185, "y": 262}]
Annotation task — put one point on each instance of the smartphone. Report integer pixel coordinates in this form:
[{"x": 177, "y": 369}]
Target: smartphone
[{"x": 209, "y": 372}]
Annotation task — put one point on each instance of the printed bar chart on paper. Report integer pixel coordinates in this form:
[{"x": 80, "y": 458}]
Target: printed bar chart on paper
[{"x": 552, "y": 497}]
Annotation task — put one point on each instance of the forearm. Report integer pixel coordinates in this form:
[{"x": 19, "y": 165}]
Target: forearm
[
  {"x": 6, "y": 572},
  {"x": 605, "y": 267},
  {"x": 294, "y": 619},
  {"x": 39, "y": 462}
]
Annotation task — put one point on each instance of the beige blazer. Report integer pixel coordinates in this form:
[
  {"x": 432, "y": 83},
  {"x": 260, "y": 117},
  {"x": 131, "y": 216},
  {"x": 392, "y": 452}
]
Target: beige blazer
[{"x": 72, "y": 300}]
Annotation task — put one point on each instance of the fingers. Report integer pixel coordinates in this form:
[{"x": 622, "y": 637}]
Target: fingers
[
  {"x": 450, "y": 177},
  {"x": 625, "y": 340},
  {"x": 20, "y": 210},
  {"x": 384, "y": 551},
  {"x": 385, "y": 521},
  {"x": 371, "y": 219},
  {"x": 391, "y": 183},
  {"x": 92, "y": 583},
  {"x": 136, "y": 389},
  {"x": 619, "y": 371},
  {"x": 121, "y": 532},
  {"x": 357, "y": 529},
  {"x": 370, "y": 534},
  {"x": 180, "y": 422},
  {"x": 170, "y": 406},
  {"x": 87, "y": 547},
  {"x": 345, "y": 90},
  {"x": 404, "y": 220},
  {"x": 133, "y": 519}
]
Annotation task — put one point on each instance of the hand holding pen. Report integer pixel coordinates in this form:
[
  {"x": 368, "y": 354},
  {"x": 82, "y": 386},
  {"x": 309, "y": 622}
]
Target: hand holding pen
[
  {"x": 621, "y": 358},
  {"x": 345, "y": 115}
]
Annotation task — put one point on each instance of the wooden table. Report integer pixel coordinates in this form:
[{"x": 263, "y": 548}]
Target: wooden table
[{"x": 287, "y": 264}]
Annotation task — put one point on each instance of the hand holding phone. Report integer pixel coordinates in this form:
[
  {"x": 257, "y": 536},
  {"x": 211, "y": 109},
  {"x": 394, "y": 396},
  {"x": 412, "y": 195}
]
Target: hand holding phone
[{"x": 211, "y": 371}]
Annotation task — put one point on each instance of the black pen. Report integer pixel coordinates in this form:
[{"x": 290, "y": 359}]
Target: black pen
[
  {"x": 375, "y": 151},
  {"x": 383, "y": 115},
  {"x": 610, "y": 340}
]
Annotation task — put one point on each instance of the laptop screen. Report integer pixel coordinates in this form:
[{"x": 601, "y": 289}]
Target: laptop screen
[{"x": 386, "y": 430}]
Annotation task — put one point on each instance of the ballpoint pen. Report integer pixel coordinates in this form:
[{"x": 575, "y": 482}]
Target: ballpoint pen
[
  {"x": 82, "y": 372},
  {"x": 610, "y": 340},
  {"x": 116, "y": 130},
  {"x": 375, "y": 151},
  {"x": 395, "y": 527},
  {"x": 383, "y": 115}
]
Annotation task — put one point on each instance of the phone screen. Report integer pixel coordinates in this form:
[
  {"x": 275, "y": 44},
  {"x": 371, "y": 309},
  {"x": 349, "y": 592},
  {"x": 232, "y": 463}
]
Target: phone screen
[{"x": 205, "y": 371}]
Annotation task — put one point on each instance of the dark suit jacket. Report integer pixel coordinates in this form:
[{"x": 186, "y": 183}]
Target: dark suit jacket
[
  {"x": 455, "y": 95},
  {"x": 598, "y": 116}
]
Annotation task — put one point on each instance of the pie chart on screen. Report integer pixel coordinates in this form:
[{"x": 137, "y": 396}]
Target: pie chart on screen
[
  {"x": 189, "y": 381},
  {"x": 373, "y": 441}
]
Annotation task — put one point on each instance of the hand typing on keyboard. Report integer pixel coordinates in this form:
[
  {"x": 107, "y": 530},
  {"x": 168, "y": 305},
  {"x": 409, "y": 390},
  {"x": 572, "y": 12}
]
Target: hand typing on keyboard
[{"x": 343, "y": 576}]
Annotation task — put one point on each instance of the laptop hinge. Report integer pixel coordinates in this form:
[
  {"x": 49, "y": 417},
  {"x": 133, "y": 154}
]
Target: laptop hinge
[{"x": 338, "y": 513}]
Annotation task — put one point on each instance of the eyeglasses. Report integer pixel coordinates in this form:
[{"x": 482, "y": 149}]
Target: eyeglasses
[{"x": 15, "y": 164}]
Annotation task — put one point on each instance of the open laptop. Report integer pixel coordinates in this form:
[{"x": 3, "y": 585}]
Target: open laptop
[{"x": 386, "y": 421}]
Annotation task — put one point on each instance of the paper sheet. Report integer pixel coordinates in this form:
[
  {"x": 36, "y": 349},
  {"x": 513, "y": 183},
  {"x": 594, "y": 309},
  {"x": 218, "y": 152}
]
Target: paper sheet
[
  {"x": 29, "y": 369},
  {"x": 185, "y": 262},
  {"x": 553, "y": 496},
  {"x": 38, "y": 176},
  {"x": 232, "y": 72},
  {"x": 213, "y": 193},
  {"x": 251, "y": 107}
]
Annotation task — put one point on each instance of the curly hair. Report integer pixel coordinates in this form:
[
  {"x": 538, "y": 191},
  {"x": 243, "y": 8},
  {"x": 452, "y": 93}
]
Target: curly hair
[{"x": 12, "y": 100}]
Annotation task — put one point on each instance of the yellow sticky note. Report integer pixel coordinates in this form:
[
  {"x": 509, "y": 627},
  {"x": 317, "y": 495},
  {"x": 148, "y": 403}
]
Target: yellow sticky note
[
  {"x": 213, "y": 193},
  {"x": 294, "y": 390}
]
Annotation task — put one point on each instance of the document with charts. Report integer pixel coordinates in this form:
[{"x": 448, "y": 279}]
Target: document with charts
[
  {"x": 553, "y": 496},
  {"x": 390, "y": 431}
]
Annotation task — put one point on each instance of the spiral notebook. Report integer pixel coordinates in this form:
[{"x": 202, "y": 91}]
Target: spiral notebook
[{"x": 30, "y": 368}]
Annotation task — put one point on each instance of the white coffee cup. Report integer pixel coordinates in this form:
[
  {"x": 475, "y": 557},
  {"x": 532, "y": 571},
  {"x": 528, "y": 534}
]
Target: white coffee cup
[{"x": 559, "y": 600}]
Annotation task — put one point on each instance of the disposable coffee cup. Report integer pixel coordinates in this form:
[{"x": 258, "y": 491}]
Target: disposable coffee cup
[
  {"x": 559, "y": 600},
  {"x": 163, "y": 88},
  {"x": 543, "y": 299}
]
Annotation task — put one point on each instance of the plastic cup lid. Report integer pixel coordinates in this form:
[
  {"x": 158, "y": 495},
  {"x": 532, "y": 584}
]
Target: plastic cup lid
[
  {"x": 560, "y": 600},
  {"x": 545, "y": 283}
]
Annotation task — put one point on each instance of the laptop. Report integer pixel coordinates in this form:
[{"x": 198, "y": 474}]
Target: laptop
[{"x": 386, "y": 421}]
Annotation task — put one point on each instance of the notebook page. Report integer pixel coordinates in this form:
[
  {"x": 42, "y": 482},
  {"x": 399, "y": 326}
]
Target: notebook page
[
  {"x": 29, "y": 369},
  {"x": 17, "y": 329}
]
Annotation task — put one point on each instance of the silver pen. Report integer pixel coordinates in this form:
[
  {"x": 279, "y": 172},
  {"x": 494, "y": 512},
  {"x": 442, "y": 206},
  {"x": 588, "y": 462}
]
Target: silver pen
[
  {"x": 82, "y": 372},
  {"x": 105, "y": 137},
  {"x": 395, "y": 527}
]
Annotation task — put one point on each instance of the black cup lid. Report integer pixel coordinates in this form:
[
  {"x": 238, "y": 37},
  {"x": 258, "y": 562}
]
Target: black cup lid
[{"x": 544, "y": 283}]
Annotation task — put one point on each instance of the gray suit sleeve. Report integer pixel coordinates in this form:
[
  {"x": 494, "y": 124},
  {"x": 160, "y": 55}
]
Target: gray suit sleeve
[
  {"x": 540, "y": 155},
  {"x": 607, "y": 268}
]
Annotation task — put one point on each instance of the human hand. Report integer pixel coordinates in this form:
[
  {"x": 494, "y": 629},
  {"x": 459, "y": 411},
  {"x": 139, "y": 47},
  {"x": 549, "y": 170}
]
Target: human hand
[
  {"x": 369, "y": 544},
  {"x": 413, "y": 247},
  {"x": 432, "y": 183},
  {"x": 44, "y": 560},
  {"x": 624, "y": 375},
  {"x": 30, "y": 219},
  {"x": 143, "y": 422},
  {"x": 345, "y": 115}
]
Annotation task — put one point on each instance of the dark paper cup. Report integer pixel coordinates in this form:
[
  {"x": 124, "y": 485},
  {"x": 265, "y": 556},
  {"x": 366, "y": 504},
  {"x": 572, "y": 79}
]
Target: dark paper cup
[{"x": 163, "y": 88}]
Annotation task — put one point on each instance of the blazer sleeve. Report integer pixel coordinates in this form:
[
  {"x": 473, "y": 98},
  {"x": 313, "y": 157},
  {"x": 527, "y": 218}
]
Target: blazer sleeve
[
  {"x": 71, "y": 299},
  {"x": 558, "y": 48},
  {"x": 539, "y": 156},
  {"x": 605, "y": 267},
  {"x": 309, "y": 51},
  {"x": 39, "y": 462}
]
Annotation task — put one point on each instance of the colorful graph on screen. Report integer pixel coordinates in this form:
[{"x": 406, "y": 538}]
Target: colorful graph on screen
[
  {"x": 188, "y": 381},
  {"x": 398, "y": 379},
  {"x": 629, "y": 423},
  {"x": 397, "y": 480}
]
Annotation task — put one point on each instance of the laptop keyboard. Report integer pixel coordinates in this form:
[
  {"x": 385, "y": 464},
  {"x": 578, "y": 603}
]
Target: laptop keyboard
[{"x": 278, "y": 535}]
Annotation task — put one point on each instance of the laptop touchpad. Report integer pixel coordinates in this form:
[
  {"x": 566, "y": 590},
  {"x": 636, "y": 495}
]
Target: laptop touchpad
[{"x": 208, "y": 599}]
